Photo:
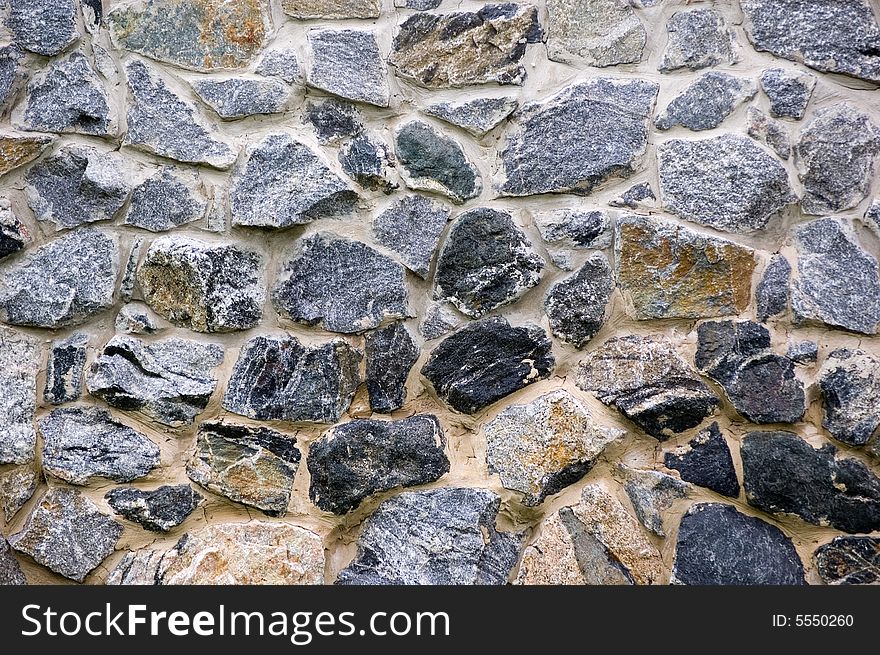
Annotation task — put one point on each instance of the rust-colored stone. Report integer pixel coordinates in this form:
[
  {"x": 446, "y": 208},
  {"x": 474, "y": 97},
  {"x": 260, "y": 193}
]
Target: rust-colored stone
[{"x": 16, "y": 151}]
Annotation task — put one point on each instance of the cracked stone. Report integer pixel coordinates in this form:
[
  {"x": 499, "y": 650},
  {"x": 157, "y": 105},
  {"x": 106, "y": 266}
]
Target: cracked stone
[
  {"x": 368, "y": 161},
  {"x": 333, "y": 120},
  {"x": 242, "y": 97},
  {"x": 165, "y": 200},
  {"x": 594, "y": 33},
  {"x": 10, "y": 569},
  {"x": 45, "y": 27},
  {"x": 432, "y": 161},
  {"x": 411, "y": 227},
  {"x": 849, "y": 382},
  {"x": 14, "y": 235},
  {"x": 771, "y": 294},
  {"x": 282, "y": 63},
  {"x": 577, "y": 306},
  {"x": 698, "y": 38},
  {"x": 769, "y": 132},
  {"x": 348, "y": 64},
  {"x": 16, "y": 151},
  {"x": 17, "y": 485},
  {"x": 477, "y": 117},
  {"x": 849, "y": 561},
  {"x": 159, "y": 510},
  {"x": 64, "y": 370},
  {"x": 789, "y": 92},
  {"x": 310, "y": 9},
  {"x": 652, "y": 493},
  {"x": 567, "y": 230},
  {"x": 706, "y": 102},
  {"x": 391, "y": 353},
  {"x": 706, "y": 462},
  {"x": 137, "y": 568}
]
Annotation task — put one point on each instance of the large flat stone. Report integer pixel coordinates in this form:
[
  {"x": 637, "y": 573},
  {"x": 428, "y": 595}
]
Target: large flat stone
[
  {"x": 697, "y": 38},
  {"x": 432, "y": 161},
  {"x": 347, "y": 63},
  {"x": 849, "y": 383},
  {"x": 706, "y": 102},
  {"x": 45, "y": 27},
  {"x": 159, "y": 510},
  {"x": 312, "y": 9},
  {"x": 411, "y": 227},
  {"x": 594, "y": 33}
]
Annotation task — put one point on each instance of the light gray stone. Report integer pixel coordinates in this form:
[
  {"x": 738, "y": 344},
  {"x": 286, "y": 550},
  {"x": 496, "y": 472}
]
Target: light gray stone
[
  {"x": 19, "y": 363},
  {"x": 594, "y": 32},
  {"x": 235, "y": 98},
  {"x": 411, "y": 227},
  {"x": 331, "y": 9},
  {"x": 568, "y": 230},
  {"x": 697, "y": 38},
  {"x": 652, "y": 493},
  {"x": 639, "y": 195},
  {"x": 706, "y": 102},
  {"x": 347, "y": 63},
  {"x": 769, "y": 132},
  {"x": 478, "y": 116},
  {"x": 17, "y": 485},
  {"x": 439, "y": 320},
  {"x": 136, "y": 318},
  {"x": 282, "y": 63}
]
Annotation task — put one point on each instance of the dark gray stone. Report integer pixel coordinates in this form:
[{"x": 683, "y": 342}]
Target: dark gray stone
[
  {"x": 769, "y": 132},
  {"x": 333, "y": 120},
  {"x": 158, "y": 510},
  {"x": 411, "y": 227},
  {"x": 849, "y": 561},
  {"x": 568, "y": 230},
  {"x": 697, "y": 38},
  {"x": 136, "y": 318},
  {"x": 368, "y": 161},
  {"x": 347, "y": 63},
  {"x": 418, "y": 5},
  {"x": 10, "y": 570},
  {"x": 849, "y": 383},
  {"x": 165, "y": 200},
  {"x": 14, "y": 235},
  {"x": 64, "y": 370},
  {"x": 235, "y": 98},
  {"x": 11, "y": 72},
  {"x": 576, "y": 306},
  {"x": 432, "y": 161},
  {"x": 706, "y": 461},
  {"x": 43, "y": 26},
  {"x": 706, "y": 102},
  {"x": 391, "y": 354},
  {"x": 478, "y": 116},
  {"x": 652, "y": 493},
  {"x": 789, "y": 92},
  {"x": 282, "y": 63},
  {"x": 771, "y": 294},
  {"x": 638, "y": 195},
  {"x": 803, "y": 352}
]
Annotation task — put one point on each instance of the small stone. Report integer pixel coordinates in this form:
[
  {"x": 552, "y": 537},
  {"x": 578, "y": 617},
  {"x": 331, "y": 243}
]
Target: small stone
[
  {"x": 169, "y": 381},
  {"x": 166, "y": 200},
  {"x": 706, "y": 461},
  {"x": 478, "y": 116},
  {"x": 442, "y": 51},
  {"x": 20, "y": 360},
  {"x": 135, "y": 318},
  {"x": 333, "y": 120},
  {"x": 368, "y": 161},
  {"x": 441, "y": 536},
  {"x": 66, "y": 533},
  {"x": 162, "y": 123},
  {"x": 252, "y": 466},
  {"x": 594, "y": 33},
  {"x": 411, "y": 227},
  {"x": 391, "y": 353},
  {"x": 439, "y": 320},
  {"x": 14, "y": 235},
  {"x": 540, "y": 448},
  {"x": 486, "y": 262},
  {"x": 835, "y": 156},
  {"x": 137, "y": 568},
  {"x": 769, "y": 132},
  {"x": 577, "y": 306},
  {"x": 649, "y": 383},
  {"x": 281, "y": 182},
  {"x": 348, "y": 64},
  {"x": 64, "y": 372},
  {"x": 17, "y": 485},
  {"x": 16, "y": 151},
  {"x": 771, "y": 294},
  {"x": 872, "y": 216},
  {"x": 849, "y": 382},
  {"x": 10, "y": 73},
  {"x": 652, "y": 493},
  {"x": 789, "y": 92},
  {"x": 838, "y": 283},
  {"x": 803, "y": 352},
  {"x": 434, "y": 162},
  {"x": 706, "y": 102},
  {"x": 568, "y": 230},
  {"x": 418, "y": 5},
  {"x": 277, "y": 378},
  {"x": 126, "y": 287},
  {"x": 242, "y": 97},
  {"x": 10, "y": 570},
  {"x": 45, "y": 27},
  {"x": 159, "y": 510},
  {"x": 849, "y": 561},
  {"x": 665, "y": 270},
  {"x": 842, "y": 493},
  {"x": 282, "y": 63},
  {"x": 717, "y": 545},
  {"x": 581, "y": 137},
  {"x": 204, "y": 287},
  {"x": 638, "y": 195},
  {"x": 309, "y": 9},
  {"x": 698, "y": 38}
]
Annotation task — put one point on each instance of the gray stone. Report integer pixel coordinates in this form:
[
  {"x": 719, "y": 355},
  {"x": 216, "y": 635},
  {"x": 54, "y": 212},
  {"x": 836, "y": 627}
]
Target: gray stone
[
  {"x": 137, "y": 568},
  {"x": 333, "y": 120},
  {"x": 441, "y": 536},
  {"x": 129, "y": 276},
  {"x": 849, "y": 561},
  {"x": 64, "y": 370},
  {"x": 577, "y": 306},
  {"x": 166, "y": 200},
  {"x": 706, "y": 102},
  {"x": 310, "y": 9},
  {"x": 594, "y": 33},
  {"x": 568, "y": 230},
  {"x": 478, "y": 116},
  {"x": 418, "y": 5},
  {"x": 282, "y": 63},
  {"x": 697, "y": 38},
  {"x": 771, "y": 294},
  {"x": 579, "y": 138},
  {"x": 342, "y": 285},
  {"x": 20, "y": 360},
  {"x": 347, "y": 63},
  {"x": 432, "y": 161},
  {"x": 10, "y": 570},
  {"x": 241, "y": 97},
  {"x": 789, "y": 92},
  {"x": 17, "y": 485},
  {"x": 14, "y": 235},
  {"x": 769, "y": 132},
  {"x": 368, "y": 161},
  {"x": 136, "y": 318},
  {"x": 439, "y": 320},
  {"x": 159, "y": 510},
  {"x": 411, "y": 227},
  {"x": 652, "y": 494},
  {"x": 803, "y": 352},
  {"x": 391, "y": 353},
  {"x": 169, "y": 381},
  {"x": 849, "y": 383},
  {"x": 727, "y": 182},
  {"x": 46, "y": 27},
  {"x": 706, "y": 461},
  {"x": 11, "y": 72},
  {"x": 638, "y": 195},
  {"x": 872, "y": 216}
]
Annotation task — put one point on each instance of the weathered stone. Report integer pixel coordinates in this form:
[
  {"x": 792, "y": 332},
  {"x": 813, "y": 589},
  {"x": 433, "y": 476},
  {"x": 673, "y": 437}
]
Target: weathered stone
[
  {"x": 64, "y": 370},
  {"x": 333, "y": 120},
  {"x": 43, "y": 26},
  {"x": 465, "y": 48},
  {"x": 652, "y": 493},
  {"x": 849, "y": 382},
  {"x": 727, "y": 182},
  {"x": 769, "y": 132},
  {"x": 14, "y": 235},
  {"x": 789, "y": 92},
  {"x": 277, "y": 378},
  {"x": 169, "y": 381},
  {"x": 540, "y": 448},
  {"x": 309, "y": 9},
  {"x": 706, "y": 461},
  {"x": 833, "y": 37},
  {"x": 706, "y": 102},
  {"x": 568, "y": 230},
  {"x": 16, "y": 151},
  {"x": 579, "y": 138},
  {"x": 166, "y": 200},
  {"x": 803, "y": 352},
  {"x": 204, "y": 287},
  {"x": 368, "y": 161},
  {"x": 282, "y": 63},
  {"x": 136, "y": 318},
  {"x": 439, "y": 320},
  {"x": 771, "y": 294},
  {"x": 835, "y": 156},
  {"x": 649, "y": 382},
  {"x": 17, "y": 485},
  {"x": 365, "y": 457},
  {"x": 201, "y": 35},
  {"x": 10, "y": 569},
  {"x": 162, "y": 123},
  {"x": 20, "y": 360},
  {"x": 63, "y": 282},
  {"x": 441, "y": 536},
  {"x": 240, "y": 97},
  {"x": 66, "y": 533},
  {"x": 10, "y": 73},
  {"x": 697, "y": 38},
  {"x": 347, "y": 63},
  {"x": 391, "y": 354},
  {"x": 418, "y": 5},
  {"x": 487, "y": 360},
  {"x": 432, "y": 161},
  {"x": 782, "y": 473},
  {"x": 594, "y": 33},
  {"x": 411, "y": 227},
  {"x": 638, "y": 195},
  {"x": 137, "y": 568},
  {"x": 129, "y": 275},
  {"x": 665, "y": 270},
  {"x": 252, "y": 466},
  {"x": 849, "y": 561},
  {"x": 872, "y": 216},
  {"x": 478, "y": 116},
  {"x": 577, "y": 306},
  {"x": 838, "y": 282},
  {"x": 717, "y": 545},
  {"x": 281, "y": 182},
  {"x": 159, "y": 510}
]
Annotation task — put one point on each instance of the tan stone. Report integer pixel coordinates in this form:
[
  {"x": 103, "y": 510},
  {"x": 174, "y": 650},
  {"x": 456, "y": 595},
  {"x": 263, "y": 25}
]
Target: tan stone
[
  {"x": 306, "y": 9},
  {"x": 17, "y": 485},
  {"x": 594, "y": 32},
  {"x": 16, "y": 151}
]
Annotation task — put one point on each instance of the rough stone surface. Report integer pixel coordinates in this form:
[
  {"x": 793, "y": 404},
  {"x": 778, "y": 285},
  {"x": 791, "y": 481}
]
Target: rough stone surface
[
  {"x": 478, "y": 116},
  {"x": 45, "y": 27},
  {"x": 706, "y": 102},
  {"x": 333, "y": 120},
  {"x": 849, "y": 561},
  {"x": 772, "y": 292},
  {"x": 652, "y": 494},
  {"x": 20, "y": 360},
  {"x": 638, "y": 195},
  {"x": 432, "y": 161},
  {"x": 803, "y": 352},
  {"x": 706, "y": 461},
  {"x": 594, "y": 33},
  {"x": 418, "y": 5},
  {"x": 697, "y": 38},
  {"x": 242, "y": 97},
  {"x": 10, "y": 569},
  {"x": 368, "y": 161},
  {"x": 789, "y": 92},
  {"x": 17, "y": 485},
  {"x": 769, "y": 132},
  {"x": 64, "y": 370},
  {"x": 439, "y": 320},
  {"x": 159, "y": 510},
  {"x": 282, "y": 63},
  {"x": 140, "y": 567},
  {"x": 16, "y": 150},
  {"x": 11, "y": 71},
  {"x": 569, "y": 230},
  {"x": 14, "y": 235},
  {"x": 849, "y": 382},
  {"x": 411, "y": 227},
  {"x": 164, "y": 201},
  {"x": 577, "y": 305},
  {"x": 309, "y": 9},
  {"x": 347, "y": 63},
  {"x": 391, "y": 353},
  {"x": 136, "y": 318}
]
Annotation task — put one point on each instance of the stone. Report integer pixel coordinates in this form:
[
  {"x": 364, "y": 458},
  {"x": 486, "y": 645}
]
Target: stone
[
  {"x": 20, "y": 361},
  {"x": 64, "y": 371},
  {"x": 162, "y": 123},
  {"x": 706, "y": 102},
  {"x": 137, "y": 568},
  {"x": 638, "y": 195},
  {"x": 309, "y": 9},
  {"x": 10, "y": 73},
  {"x": 199, "y": 35},
  {"x": 333, "y": 120},
  {"x": 487, "y": 360},
  {"x": 166, "y": 200},
  {"x": 348, "y": 64},
  {"x": 432, "y": 161},
  {"x": 254, "y": 466},
  {"x": 872, "y": 216},
  {"x": 16, "y": 151},
  {"x": 652, "y": 494},
  {"x": 281, "y": 182},
  {"x": 14, "y": 235},
  {"x": 583, "y": 136},
  {"x": 839, "y": 37},
  {"x": 568, "y": 230},
  {"x": 803, "y": 352},
  {"x": 841, "y": 493},
  {"x": 726, "y": 182},
  {"x": 849, "y": 384},
  {"x": 17, "y": 485},
  {"x": 368, "y": 161},
  {"x": 418, "y": 5},
  {"x": 849, "y": 561},
  {"x": 45, "y": 27},
  {"x": 204, "y": 287},
  {"x": 761, "y": 385},
  {"x": 486, "y": 262},
  {"x": 706, "y": 462},
  {"x": 717, "y": 545},
  {"x": 478, "y": 116},
  {"x": 835, "y": 156},
  {"x": 577, "y": 305},
  {"x": 540, "y": 448},
  {"x": 838, "y": 283},
  {"x": 769, "y": 132},
  {"x": 63, "y": 282},
  {"x": 169, "y": 381},
  {"x": 789, "y": 92},
  {"x": 441, "y": 536},
  {"x": 665, "y": 270},
  {"x": 391, "y": 353},
  {"x": 241, "y": 97},
  {"x": 282, "y": 63},
  {"x": 648, "y": 382},
  {"x": 129, "y": 276},
  {"x": 277, "y": 378},
  {"x": 10, "y": 570},
  {"x": 439, "y": 320},
  {"x": 442, "y": 51},
  {"x": 772, "y": 294},
  {"x": 68, "y": 96},
  {"x": 159, "y": 510},
  {"x": 136, "y": 318},
  {"x": 594, "y": 33},
  {"x": 697, "y": 38},
  {"x": 364, "y": 457},
  {"x": 77, "y": 185},
  {"x": 66, "y": 533},
  {"x": 411, "y": 227},
  {"x": 340, "y": 284}
]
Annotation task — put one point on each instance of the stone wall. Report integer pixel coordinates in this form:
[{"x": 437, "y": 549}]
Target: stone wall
[{"x": 596, "y": 278}]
